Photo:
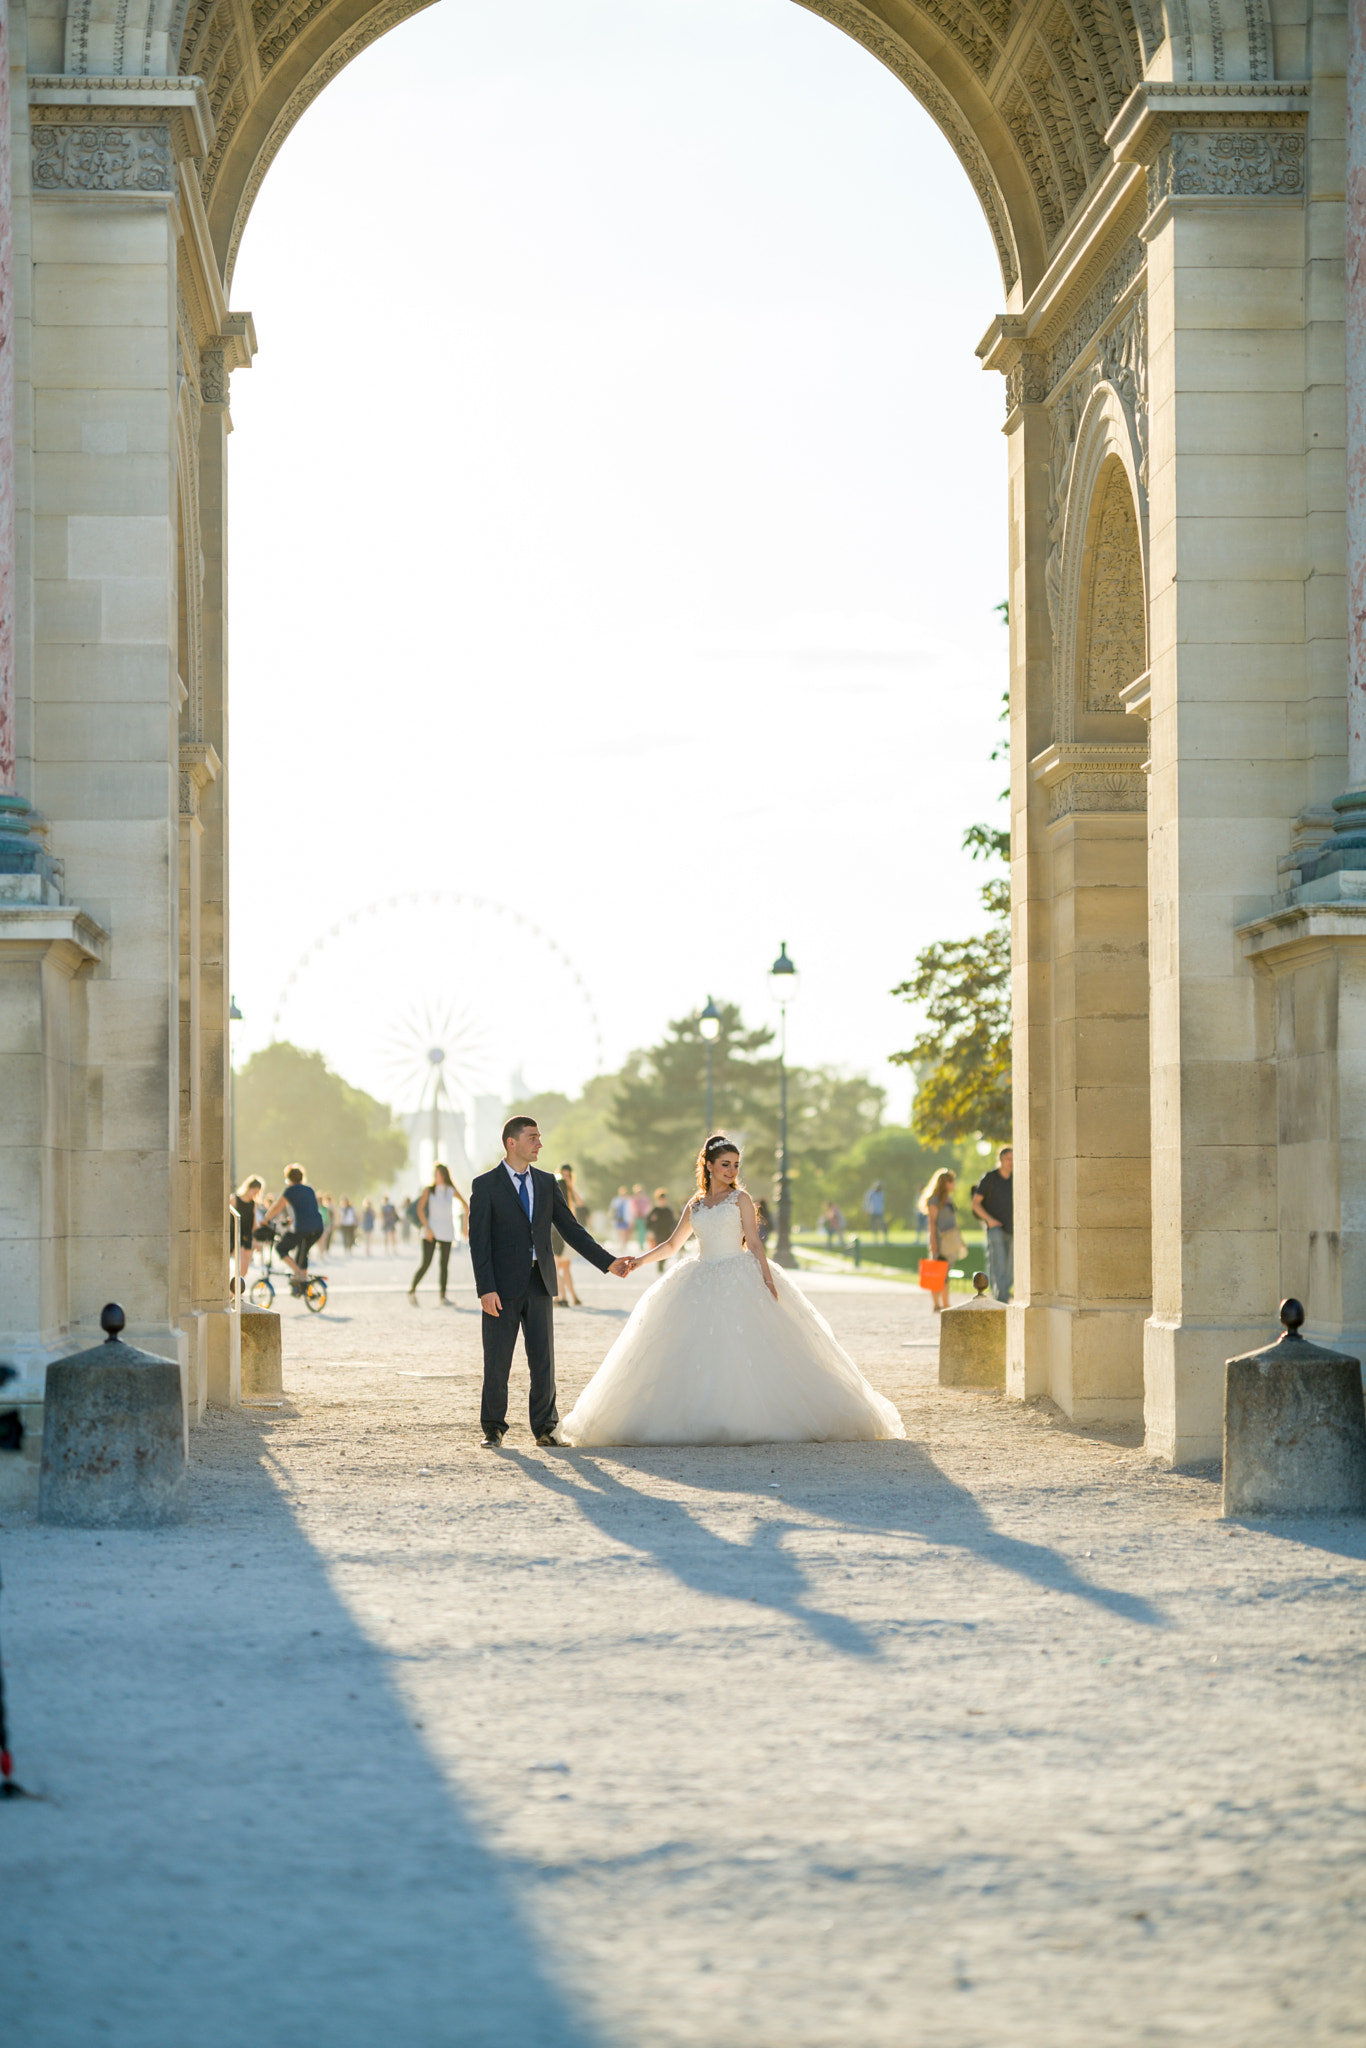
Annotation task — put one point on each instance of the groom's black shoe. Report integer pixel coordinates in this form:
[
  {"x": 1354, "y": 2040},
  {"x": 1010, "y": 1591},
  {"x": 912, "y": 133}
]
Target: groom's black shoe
[
  {"x": 493, "y": 1439},
  {"x": 549, "y": 1437}
]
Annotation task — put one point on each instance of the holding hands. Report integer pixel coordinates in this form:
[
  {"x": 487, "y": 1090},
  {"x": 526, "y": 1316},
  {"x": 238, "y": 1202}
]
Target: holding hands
[{"x": 623, "y": 1268}]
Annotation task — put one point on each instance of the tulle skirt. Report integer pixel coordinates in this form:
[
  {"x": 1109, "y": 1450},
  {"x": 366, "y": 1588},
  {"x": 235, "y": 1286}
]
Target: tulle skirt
[{"x": 709, "y": 1357}]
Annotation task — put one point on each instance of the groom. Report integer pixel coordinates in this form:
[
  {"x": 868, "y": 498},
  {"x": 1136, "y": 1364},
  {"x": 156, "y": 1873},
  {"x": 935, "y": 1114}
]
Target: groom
[{"x": 512, "y": 1211}]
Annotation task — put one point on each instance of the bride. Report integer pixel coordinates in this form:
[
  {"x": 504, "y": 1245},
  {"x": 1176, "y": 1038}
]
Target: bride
[{"x": 724, "y": 1350}]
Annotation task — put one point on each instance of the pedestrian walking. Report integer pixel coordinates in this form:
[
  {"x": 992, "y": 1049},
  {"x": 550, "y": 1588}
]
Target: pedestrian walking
[
  {"x": 940, "y": 1211},
  {"x": 875, "y": 1208},
  {"x": 367, "y": 1225},
  {"x": 410, "y": 1222},
  {"x": 621, "y": 1217},
  {"x": 436, "y": 1220},
  {"x": 994, "y": 1203},
  {"x": 564, "y": 1262},
  {"x": 388, "y": 1217},
  {"x": 244, "y": 1202},
  {"x": 348, "y": 1225},
  {"x": 327, "y": 1209},
  {"x": 763, "y": 1216},
  {"x": 832, "y": 1223},
  {"x": 640, "y": 1209},
  {"x": 661, "y": 1222}
]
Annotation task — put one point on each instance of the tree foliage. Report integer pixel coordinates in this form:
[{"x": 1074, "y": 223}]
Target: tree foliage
[
  {"x": 646, "y": 1123},
  {"x": 291, "y": 1106}
]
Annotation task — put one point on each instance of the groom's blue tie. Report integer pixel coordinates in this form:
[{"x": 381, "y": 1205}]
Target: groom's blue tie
[{"x": 525, "y": 1191}]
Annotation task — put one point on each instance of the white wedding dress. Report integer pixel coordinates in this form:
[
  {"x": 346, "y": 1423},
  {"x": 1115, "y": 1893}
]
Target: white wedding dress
[{"x": 709, "y": 1357}]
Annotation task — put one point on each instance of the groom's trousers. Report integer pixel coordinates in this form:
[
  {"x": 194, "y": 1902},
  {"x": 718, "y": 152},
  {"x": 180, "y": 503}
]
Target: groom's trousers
[{"x": 533, "y": 1313}]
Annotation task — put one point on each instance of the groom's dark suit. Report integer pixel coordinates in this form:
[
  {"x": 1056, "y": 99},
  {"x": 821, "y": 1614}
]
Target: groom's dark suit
[{"x": 512, "y": 1258}]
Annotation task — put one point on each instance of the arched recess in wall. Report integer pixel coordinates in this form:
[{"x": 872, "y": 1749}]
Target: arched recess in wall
[{"x": 1102, "y": 628}]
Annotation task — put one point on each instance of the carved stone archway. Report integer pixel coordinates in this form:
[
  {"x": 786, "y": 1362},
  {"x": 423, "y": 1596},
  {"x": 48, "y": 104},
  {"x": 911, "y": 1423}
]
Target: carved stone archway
[{"x": 1141, "y": 165}]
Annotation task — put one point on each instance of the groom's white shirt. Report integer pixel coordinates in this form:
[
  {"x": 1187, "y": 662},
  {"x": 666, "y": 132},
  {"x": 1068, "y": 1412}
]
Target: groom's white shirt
[{"x": 511, "y": 1173}]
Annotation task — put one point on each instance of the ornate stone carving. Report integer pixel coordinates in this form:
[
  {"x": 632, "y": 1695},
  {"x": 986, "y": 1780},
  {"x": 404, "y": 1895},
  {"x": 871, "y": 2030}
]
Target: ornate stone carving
[
  {"x": 964, "y": 27},
  {"x": 1019, "y": 117},
  {"x": 1025, "y": 383},
  {"x": 199, "y": 766},
  {"x": 273, "y": 48},
  {"x": 1064, "y": 420},
  {"x": 1229, "y": 163},
  {"x": 213, "y": 376},
  {"x": 901, "y": 61},
  {"x": 1082, "y": 778},
  {"x": 1124, "y": 363},
  {"x": 1095, "y": 310},
  {"x": 1108, "y": 791},
  {"x": 1115, "y": 638},
  {"x": 101, "y": 156}
]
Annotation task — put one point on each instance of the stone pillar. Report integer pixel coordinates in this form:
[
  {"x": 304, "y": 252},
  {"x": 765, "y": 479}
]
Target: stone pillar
[
  {"x": 1355, "y": 320},
  {"x": 106, "y": 216},
  {"x": 1228, "y": 539},
  {"x": 1078, "y": 853},
  {"x": 1031, "y": 689}
]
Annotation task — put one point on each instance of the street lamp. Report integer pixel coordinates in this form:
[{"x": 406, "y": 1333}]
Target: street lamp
[
  {"x": 234, "y": 1017},
  {"x": 782, "y": 980},
  {"x": 709, "y": 1024}
]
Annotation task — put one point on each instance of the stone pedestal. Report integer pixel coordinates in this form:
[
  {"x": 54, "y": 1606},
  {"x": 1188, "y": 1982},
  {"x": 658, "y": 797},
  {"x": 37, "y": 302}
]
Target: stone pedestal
[
  {"x": 113, "y": 1441},
  {"x": 262, "y": 1370},
  {"x": 1294, "y": 1429},
  {"x": 972, "y": 1345}
]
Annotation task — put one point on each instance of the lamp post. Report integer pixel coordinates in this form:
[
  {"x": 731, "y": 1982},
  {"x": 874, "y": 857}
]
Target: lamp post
[
  {"x": 709, "y": 1024},
  {"x": 234, "y": 1017},
  {"x": 782, "y": 979}
]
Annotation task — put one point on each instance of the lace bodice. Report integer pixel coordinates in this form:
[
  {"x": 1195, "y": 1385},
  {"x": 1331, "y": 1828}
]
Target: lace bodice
[{"x": 719, "y": 1232}]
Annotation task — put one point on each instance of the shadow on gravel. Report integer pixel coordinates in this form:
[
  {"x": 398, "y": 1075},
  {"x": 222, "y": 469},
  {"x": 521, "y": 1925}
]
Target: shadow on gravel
[
  {"x": 759, "y": 1571},
  {"x": 914, "y": 1499},
  {"x": 1340, "y": 1538},
  {"x": 252, "y": 1845}
]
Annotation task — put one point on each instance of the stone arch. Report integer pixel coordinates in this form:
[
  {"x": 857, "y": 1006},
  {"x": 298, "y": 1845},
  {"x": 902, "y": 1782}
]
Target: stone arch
[
  {"x": 1102, "y": 608},
  {"x": 1024, "y": 93}
]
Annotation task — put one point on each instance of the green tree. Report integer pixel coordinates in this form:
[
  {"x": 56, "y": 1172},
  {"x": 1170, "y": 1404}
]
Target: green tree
[
  {"x": 659, "y": 1107},
  {"x": 291, "y": 1106},
  {"x": 646, "y": 1123}
]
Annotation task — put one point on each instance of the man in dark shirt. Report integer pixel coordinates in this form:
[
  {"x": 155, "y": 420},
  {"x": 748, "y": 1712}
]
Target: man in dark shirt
[
  {"x": 993, "y": 1201},
  {"x": 306, "y": 1221}
]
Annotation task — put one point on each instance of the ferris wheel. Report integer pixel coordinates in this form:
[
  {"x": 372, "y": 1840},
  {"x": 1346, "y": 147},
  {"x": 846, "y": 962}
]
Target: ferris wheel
[{"x": 450, "y": 899}]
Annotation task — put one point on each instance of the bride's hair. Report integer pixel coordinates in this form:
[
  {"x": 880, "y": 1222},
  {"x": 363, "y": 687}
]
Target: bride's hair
[{"x": 716, "y": 1144}]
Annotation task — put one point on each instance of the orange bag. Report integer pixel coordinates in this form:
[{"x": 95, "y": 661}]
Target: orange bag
[{"x": 934, "y": 1274}]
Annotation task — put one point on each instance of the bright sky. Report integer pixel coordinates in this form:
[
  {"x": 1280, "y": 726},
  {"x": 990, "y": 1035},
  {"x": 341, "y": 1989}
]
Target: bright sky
[{"x": 618, "y": 510}]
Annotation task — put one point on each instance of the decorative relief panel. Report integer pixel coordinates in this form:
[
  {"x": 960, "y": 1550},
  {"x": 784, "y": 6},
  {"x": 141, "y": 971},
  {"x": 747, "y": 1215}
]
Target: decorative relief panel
[
  {"x": 273, "y": 47},
  {"x": 964, "y": 27},
  {"x": 1115, "y": 637},
  {"x": 1019, "y": 118},
  {"x": 1095, "y": 310},
  {"x": 101, "y": 156},
  {"x": 1230, "y": 163},
  {"x": 1107, "y": 790}
]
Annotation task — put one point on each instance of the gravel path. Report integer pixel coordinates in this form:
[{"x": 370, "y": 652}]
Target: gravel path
[{"x": 995, "y": 1738}]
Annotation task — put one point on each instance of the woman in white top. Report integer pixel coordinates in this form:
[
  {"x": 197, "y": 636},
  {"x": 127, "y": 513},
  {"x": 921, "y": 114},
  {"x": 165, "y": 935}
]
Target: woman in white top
[{"x": 436, "y": 1218}]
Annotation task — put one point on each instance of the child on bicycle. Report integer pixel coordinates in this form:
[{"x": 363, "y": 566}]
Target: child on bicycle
[{"x": 306, "y": 1222}]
